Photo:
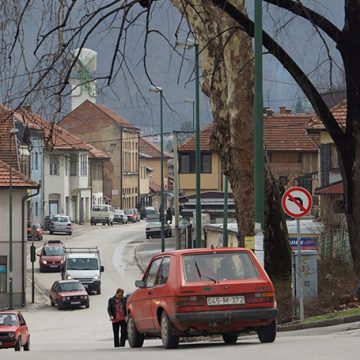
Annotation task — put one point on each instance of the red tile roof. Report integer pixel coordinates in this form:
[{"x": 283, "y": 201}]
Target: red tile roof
[
  {"x": 151, "y": 150},
  {"x": 334, "y": 188},
  {"x": 18, "y": 180},
  {"x": 98, "y": 114},
  {"x": 282, "y": 132},
  {"x": 339, "y": 112},
  {"x": 286, "y": 132},
  {"x": 190, "y": 144},
  {"x": 6, "y": 124}
]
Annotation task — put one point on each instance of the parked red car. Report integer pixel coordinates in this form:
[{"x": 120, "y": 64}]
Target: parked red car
[
  {"x": 197, "y": 292},
  {"x": 68, "y": 294},
  {"x": 51, "y": 256},
  {"x": 34, "y": 231},
  {"x": 14, "y": 332}
]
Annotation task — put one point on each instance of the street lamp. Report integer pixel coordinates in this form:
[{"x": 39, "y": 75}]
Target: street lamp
[
  {"x": 157, "y": 89},
  {"x": 13, "y": 131},
  {"x": 191, "y": 101},
  {"x": 188, "y": 45}
]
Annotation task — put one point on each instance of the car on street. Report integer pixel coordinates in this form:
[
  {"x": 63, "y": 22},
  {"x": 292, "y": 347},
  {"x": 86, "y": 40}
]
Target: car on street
[
  {"x": 147, "y": 211},
  {"x": 132, "y": 215},
  {"x": 60, "y": 224},
  {"x": 68, "y": 294},
  {"x": 153, "y": 228},
  {"x": 51, "y": 256},
  {"x": 47, "y": 221},
  {"x": 14, "y": 332},
  {"x": 120, "y": 217},
  {"x": 202, "y": 292},
  {"x": 34, "y": 231}
]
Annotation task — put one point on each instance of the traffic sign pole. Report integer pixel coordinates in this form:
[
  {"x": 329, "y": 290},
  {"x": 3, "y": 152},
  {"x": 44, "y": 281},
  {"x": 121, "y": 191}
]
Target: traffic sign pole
[{"x": 296, "y": 203}]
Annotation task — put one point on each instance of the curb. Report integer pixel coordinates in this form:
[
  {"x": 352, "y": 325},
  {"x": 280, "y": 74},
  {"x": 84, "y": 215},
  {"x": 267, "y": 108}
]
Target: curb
[{"x": 322, "y": 323}]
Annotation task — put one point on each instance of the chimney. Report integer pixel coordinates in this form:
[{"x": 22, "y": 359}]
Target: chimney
[
  {"x": 268, "y": 111},
  {"x": 282, "y": 109}
]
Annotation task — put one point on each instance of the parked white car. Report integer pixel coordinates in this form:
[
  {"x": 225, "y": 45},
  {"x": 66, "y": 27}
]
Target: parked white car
[{"x": 60, "y": 224}]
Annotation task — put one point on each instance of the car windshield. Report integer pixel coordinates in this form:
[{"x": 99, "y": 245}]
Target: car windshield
[
  {"x": 61, "y": 219},
  {"x": 73, "y": 286},
  {"x": 218, "y": 266},
  {"x": 82, "y": 264},
  {"x": 53, "y": 250},
  {"x": 7, "y": 319}
]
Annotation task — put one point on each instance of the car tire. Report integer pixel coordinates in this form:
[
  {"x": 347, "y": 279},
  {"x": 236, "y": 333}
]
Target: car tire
[
  {"x": 51, "y": 302},
  {"x": 267, "y": 334},
  {"x": 70, "y": 233},
  {"x": 168, "y": 337},
  {"x": 148, "y": 236},
  {"x": 59, "y": 306},
  {"x": 18, "y": 345},
  {"x": 27, "y": 345},
  {"x": 87, "y": 305},
  {"x": 50, "y": 232},
  {"x": 230, "y": 338},
  {"x": 98, "y": 291},
  {"x": 135, "y": 339}
]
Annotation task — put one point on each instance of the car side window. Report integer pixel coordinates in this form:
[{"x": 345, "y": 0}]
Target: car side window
[
  {"x": 151, "y": 274},
  {"x": 163, "y": 273},
  {"x": 54, "y": 287}
]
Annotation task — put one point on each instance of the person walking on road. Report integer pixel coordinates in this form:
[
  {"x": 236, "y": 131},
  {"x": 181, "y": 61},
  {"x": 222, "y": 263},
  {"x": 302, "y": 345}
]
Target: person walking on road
[{"x": 117, "y": 313}]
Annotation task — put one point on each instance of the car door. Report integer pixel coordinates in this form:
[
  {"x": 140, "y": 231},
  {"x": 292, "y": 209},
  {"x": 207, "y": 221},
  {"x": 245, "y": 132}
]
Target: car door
[
  {"x": 23, "y": 329},
  {"x": 143, "y": 308},
  {"x": 53, "y": 292}
]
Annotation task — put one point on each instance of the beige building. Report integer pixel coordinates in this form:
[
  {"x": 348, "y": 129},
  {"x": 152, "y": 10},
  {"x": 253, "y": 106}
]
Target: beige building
[{"x": 101, "y": 127}]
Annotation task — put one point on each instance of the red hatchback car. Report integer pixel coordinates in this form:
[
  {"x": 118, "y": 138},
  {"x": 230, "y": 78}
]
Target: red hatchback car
[
  {"x": 14, "y": 332},
  {"x": 51, "y": 256},
  {"x": 202, "y": 292}
]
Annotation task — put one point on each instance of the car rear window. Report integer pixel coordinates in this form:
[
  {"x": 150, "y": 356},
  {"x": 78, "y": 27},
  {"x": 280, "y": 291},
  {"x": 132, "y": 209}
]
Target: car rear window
[
  {"x": 218, "y": 266},
  {"x": 61, "y": 219}
]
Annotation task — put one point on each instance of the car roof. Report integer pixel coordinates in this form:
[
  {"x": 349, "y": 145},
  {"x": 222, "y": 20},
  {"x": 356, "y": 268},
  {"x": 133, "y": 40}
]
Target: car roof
[
  {"x": 82, "y": 255},
  {"x": 68, "y": 281},
  {"x": 15, "y": 312},
  {"x": 205, "y": 251}
]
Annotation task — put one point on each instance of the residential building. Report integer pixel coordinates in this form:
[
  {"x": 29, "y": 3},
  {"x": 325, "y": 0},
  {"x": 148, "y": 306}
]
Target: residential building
[
  {"x": 150, "y": 163},
  {"x": 101, "y": 127},
  {"x": 14, "y": 187},
  {"x": 60, "y": 161}
]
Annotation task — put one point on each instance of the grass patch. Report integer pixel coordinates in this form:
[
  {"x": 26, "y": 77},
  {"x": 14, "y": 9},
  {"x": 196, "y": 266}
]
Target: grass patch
[{"x": 333, "y": 315}]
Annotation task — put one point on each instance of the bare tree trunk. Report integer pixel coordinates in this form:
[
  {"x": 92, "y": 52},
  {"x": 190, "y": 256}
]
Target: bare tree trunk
[{"x": 227, "y": 63}]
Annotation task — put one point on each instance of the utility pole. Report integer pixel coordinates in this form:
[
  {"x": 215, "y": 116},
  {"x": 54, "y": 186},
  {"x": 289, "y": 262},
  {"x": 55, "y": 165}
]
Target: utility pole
[{"x": 176, "y": 193}]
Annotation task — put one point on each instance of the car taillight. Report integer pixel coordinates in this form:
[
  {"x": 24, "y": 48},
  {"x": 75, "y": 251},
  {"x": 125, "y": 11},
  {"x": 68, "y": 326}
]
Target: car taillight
[
  {"x": 183, "y": 301},
  {"x": 260, "y": 297}
]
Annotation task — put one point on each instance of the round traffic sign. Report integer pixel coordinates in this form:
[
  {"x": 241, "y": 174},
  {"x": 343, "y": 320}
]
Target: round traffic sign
[{"x": 296, "y": 202}]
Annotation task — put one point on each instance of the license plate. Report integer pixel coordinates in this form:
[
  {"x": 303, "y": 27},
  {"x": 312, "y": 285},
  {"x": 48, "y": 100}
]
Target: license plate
[
  {"x": 225, "y": 300},
  {"x": 75, "y": 303},
  {"x": 53, "y": 266}
]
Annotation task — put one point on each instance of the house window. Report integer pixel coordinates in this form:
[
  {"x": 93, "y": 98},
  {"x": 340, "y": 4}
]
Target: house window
[
  {"x": 283, "y": 179},
  {"x": 334, "y": 158},
  {"x": 73, "y": 165},
  {"x": 206, "y": 163},
  {"x": 36, "y": 161},
  {"x": 54, "y": 164},
  {"x": 83, "y": 165},
  {"x": 187, "y": 163},
  {"x": 3, "y": 274}
]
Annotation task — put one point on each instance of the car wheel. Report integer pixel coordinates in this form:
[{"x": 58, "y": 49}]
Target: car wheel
[
  {"x": 27, "y": 345},
  {"x": 70, "y": 233},
  {"x": 136, "y": 340},
  {"x": 98, "y": 291},
  {"x": 169, "y": 339},
  {"x": 51, "y": 302},
  {"x": 59, "y": 306},
  {"x": 18, "y": 345},
  {"x": 230, "y": 338},
  {"x": 87, "y": 305},
  {"x": 267, "y": 334},
  {"x": 148, "y": 236},
  {"x": 50, "y": 232}
]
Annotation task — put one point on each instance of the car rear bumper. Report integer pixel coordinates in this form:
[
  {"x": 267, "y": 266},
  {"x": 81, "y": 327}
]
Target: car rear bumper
[{"x": 225, "y": 316}]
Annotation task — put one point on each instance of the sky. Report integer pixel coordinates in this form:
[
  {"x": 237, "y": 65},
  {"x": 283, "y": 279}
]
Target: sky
[{"x": 129, "y": 93}]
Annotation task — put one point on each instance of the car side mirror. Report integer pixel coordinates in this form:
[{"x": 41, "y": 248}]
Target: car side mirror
[
  {"x": 140, "y": 284},
  {"x": 102, "y": 269}
]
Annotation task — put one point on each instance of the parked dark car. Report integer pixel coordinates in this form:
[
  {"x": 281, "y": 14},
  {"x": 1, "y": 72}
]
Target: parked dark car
[
  {"x": 153, "y": 228},
  {"x": 68, "y": 294},
  {"x": 202, "y": 292},
  {"x": 147, "y": 211},
  {"x": 51, "y": 256},
  {"x": 120, "y": 217},
  {"x": 34, "y": 231},
  {"x": 14, "y": 333}
]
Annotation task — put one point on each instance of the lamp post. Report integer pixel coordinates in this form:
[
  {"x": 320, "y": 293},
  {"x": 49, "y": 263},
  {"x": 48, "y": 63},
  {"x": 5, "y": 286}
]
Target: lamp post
[
  {"x": 189, "y": 44},
  {"x": 157, "y": 89},
  {"x": 13, "y": 131}
]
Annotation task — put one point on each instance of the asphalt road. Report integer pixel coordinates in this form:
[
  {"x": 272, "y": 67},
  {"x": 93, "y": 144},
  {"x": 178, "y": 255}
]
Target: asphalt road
[{"x": 86, "y": 333}]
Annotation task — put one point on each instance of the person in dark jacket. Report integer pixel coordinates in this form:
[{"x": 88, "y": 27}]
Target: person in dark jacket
[
  {"x": 117, "y": 313},
  {"x": 169, "y": 216}
]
